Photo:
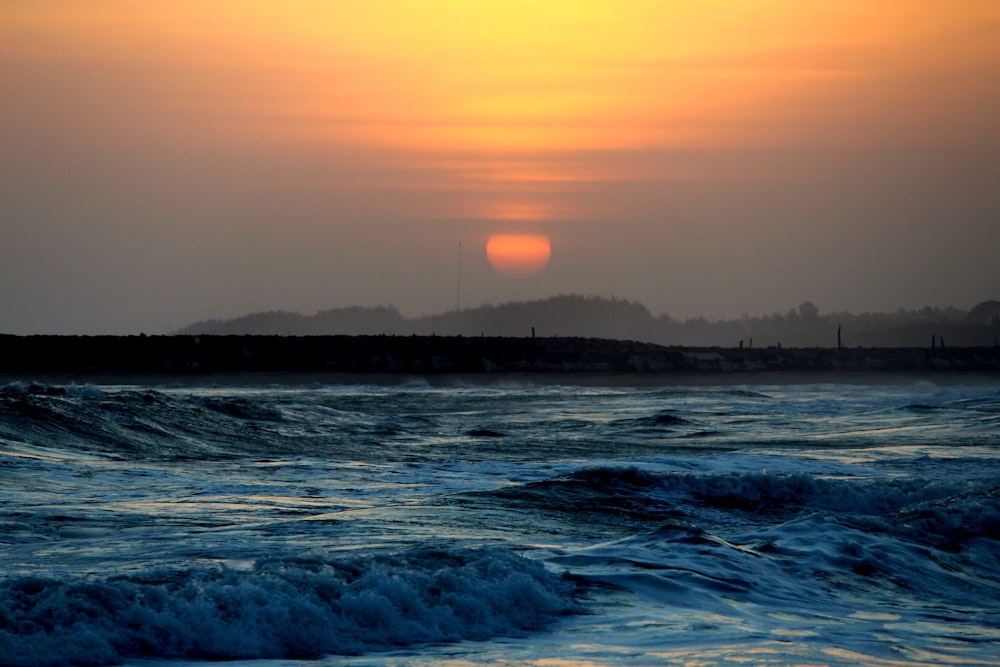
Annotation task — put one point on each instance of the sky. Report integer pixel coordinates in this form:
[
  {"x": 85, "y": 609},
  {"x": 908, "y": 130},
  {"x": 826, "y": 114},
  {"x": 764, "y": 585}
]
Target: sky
[{"x": 169, "y": 161}]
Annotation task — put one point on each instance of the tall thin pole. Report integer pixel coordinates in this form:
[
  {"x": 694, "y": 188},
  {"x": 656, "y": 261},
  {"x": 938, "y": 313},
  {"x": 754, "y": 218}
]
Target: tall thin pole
[{"x": 458, "y": 297}]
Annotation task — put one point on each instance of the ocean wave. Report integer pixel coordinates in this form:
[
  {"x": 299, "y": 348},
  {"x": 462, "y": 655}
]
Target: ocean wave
[
  {"x": 281, "y": 608},
  {"x": 164, "y": 425},
  {"x": 20, "y": 388},
  {"x": 662, "y": 421},
  {"x": 953, "y": 510},
  {"x": 242, "y": 408},
  {"x": 950, "y": 521},
  {"x": 802, "y": 491},
  {"x": 817, "y": 564},
  {"x": 762, "y": 491},
  {"x": 711, "y": 393},
  {"x": 143, "y": 424}
]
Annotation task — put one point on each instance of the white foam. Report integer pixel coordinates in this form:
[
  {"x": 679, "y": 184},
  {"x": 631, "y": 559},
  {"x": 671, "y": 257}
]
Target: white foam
[{"x": 283, "y": 607}]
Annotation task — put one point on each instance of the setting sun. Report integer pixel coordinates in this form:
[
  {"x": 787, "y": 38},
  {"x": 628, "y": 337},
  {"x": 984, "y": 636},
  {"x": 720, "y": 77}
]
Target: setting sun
[
  {"x": 256, "y": 155},
  {"x": 519, "y": 255}
]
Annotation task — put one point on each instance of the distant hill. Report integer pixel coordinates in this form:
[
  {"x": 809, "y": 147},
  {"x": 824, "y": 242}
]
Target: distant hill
[
  {"x": 600, "y": 317},
  {"x": 594, "y": 317},
  {"x": 352, "y": 321}
]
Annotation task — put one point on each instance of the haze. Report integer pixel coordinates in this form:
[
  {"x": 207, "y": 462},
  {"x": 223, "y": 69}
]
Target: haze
[{"x": 163, "y": 162}]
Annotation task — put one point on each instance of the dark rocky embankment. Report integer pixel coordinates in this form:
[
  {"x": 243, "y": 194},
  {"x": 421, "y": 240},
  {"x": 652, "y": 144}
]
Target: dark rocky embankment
[{"x": 426, "y": 355}]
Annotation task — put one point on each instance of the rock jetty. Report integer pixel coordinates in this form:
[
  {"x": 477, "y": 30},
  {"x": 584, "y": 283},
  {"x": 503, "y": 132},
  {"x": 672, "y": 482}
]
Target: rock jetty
[{"x": 94, "y": 356}]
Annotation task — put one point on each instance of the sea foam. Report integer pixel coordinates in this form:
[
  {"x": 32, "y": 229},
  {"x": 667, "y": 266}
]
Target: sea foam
[{"x": 281, "y": 608}]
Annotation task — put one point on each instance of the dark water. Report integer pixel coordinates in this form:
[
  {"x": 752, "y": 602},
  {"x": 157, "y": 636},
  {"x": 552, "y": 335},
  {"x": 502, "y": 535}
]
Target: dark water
[{"x": 511, "y": 525}]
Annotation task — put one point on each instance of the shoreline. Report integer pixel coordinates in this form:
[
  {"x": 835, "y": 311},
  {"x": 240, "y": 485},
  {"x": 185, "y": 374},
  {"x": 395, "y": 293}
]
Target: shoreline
[{"x": 456, "y": 360}]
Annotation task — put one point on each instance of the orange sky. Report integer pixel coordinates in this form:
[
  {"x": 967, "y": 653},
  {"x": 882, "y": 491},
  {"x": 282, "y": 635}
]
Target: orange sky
[{"x": 563, "y": 118}]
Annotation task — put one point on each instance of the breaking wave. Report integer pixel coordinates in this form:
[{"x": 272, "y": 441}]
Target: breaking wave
[
  {"x": 923, "y": 510},
  {"x": 281, "y": 608}
]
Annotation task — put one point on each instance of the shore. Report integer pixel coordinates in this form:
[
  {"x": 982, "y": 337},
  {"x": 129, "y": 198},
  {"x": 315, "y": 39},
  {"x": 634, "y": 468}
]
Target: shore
[{"x": 391, "y": 359}]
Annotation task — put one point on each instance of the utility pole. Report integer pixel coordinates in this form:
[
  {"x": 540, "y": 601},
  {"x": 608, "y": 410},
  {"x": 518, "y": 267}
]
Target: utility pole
[{"x": 458, "y": 296}]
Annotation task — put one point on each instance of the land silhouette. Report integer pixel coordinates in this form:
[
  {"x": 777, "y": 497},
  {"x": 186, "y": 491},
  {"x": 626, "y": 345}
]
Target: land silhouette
[
  {"x": 564, "y": 334},
  {"x": 619, "y": 319}
]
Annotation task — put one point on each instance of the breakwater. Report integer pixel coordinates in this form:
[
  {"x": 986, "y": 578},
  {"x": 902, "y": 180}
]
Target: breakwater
[{"x": 429, "y": 355}]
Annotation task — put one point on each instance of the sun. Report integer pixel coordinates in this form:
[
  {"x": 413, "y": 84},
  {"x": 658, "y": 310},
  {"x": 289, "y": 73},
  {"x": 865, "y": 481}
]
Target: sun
[{"x": 519, "y": 255}]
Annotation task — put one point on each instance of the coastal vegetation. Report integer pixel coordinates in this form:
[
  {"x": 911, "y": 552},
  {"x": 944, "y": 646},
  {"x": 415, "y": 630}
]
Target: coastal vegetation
[{"x": 613, "y": 318}]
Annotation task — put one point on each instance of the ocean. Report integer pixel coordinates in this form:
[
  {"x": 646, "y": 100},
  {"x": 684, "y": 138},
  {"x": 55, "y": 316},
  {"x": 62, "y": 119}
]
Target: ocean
[{"x": 503, "y": 524}]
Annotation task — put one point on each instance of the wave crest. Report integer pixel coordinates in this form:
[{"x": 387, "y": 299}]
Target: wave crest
[{"x": 281, "y": 608}]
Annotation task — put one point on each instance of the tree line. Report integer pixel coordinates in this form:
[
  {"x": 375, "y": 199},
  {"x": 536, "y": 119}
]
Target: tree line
[{"x": 603, "y": 317}]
